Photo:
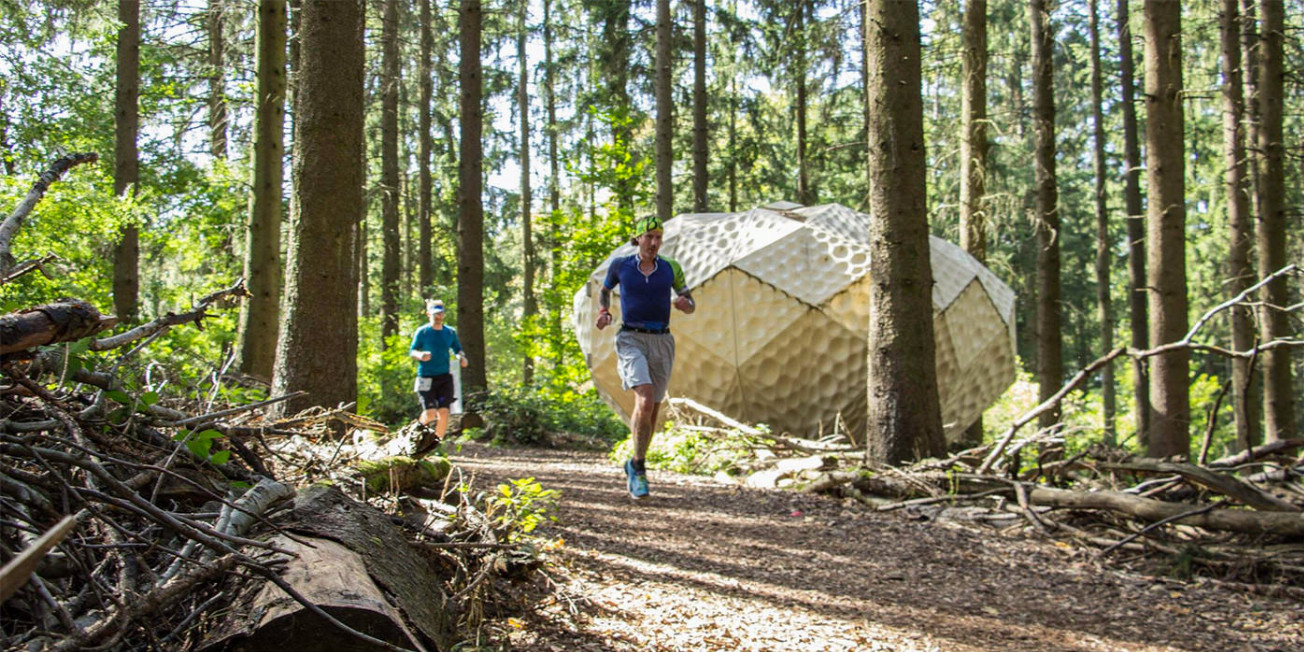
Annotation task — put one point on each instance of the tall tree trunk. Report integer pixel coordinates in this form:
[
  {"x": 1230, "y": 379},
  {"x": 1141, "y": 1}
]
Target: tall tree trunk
[
  {"x": 425, "y": 186},
  {"x": 1050, "y": 364},
  {"x": 804, "y": 194},
  {"x": 865, "y": 98},
  {"x": 360, "y": 255},
  {"x": 1250, "y": 79},
  {"x": 1170, "y": 406},
  {"x": 613, "y": 51},
  {"x": 665, "y": 117},
  {"x": 1104, "y": 243},
  {"x": 973, "y": 148},
  {"x": 470, "y": 226},
  {"x": 216, "y": 24},
  {"x": 1278, "y": 400},
  {"x": 318, "y": 346},
  {"x": 262, "y": 264},
  {"x": 389, "y": 182},
  {"x": 1240, "y": 272},
  {"x": 530, "y": 310},
  {"x": 1138, "y": 304},
  {"x": 554, "y": 183},
  {"x": 733, "y": 144},
  {"x": 126, "y": 162},
  {"x": 904, "y": 418},
  {"x": 700, "y": 181}
]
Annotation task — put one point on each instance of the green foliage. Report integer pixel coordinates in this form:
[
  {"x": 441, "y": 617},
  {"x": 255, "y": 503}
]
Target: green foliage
[
  {"x": 687, "y": 451},
  {"x": 520, "y": 506},
  {"x": 201, "y": 444},
  {"x": 385, "y": 374},
  {"x": 527, "y": 416}
]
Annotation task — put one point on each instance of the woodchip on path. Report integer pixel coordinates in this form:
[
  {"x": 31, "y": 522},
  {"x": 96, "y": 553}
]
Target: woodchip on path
[{"x": 705, "y": 566}]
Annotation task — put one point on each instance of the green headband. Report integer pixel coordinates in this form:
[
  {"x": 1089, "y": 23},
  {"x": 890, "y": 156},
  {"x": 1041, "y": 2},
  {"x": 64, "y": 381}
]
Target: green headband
[{"x": 645, "y": 224}]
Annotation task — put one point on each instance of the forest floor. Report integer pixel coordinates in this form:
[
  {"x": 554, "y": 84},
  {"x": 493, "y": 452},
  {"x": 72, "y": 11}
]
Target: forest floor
[{"x": 701, "y": 565}]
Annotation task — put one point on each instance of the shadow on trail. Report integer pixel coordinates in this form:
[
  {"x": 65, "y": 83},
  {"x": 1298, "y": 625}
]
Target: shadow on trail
[{"x": 792, "y": 550}]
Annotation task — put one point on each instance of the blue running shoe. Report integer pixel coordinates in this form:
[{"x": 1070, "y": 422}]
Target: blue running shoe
[{"x": 635, "y": 480}]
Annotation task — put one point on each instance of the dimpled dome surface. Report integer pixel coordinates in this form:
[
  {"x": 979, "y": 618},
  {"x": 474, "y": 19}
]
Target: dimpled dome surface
[{"x": 779, "y": 335}]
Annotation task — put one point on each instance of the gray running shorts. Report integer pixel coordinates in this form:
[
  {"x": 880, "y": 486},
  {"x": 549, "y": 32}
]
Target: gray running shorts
[{"x": 645, "y": 359}]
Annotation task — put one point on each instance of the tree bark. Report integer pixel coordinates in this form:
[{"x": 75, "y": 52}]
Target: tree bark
[
  {"x": 318, "y": 345},
  {"x": 262, "y": 265},
  {"x": 470, "y": 228},
  {"x": 391, "y": 260},
  {"x": 973, "y": 149},
  {"x": 530, "y": 309},
  {"x": 1241, "y": 235},
  {"x": 665, "y": 122},
  {"x": 425, "y": 186},
  {"x": 554, "y": 181},
  {"x": 216, "y": 23},
  {"x": 1104, "y": 242},
  {"x": 1170, "y": 409},
  {"x": 805, "y": 196},
  {"x": 126, "y": 164},
  {"x": 700, "y": 181},
  {"x": 1278, "y": 399},
  {"x": 1138, "y": 306},
  {"x": 904, "y": 418},
  {"x": 1050, "y": 364}
]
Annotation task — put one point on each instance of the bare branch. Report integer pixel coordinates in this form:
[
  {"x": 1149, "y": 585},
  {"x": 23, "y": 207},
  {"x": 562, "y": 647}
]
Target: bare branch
[{"x": 15, "y": 220}]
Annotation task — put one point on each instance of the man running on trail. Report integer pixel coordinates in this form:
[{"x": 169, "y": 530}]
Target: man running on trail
[
  {"x": 644, "y": 346},
  {"x": 431, "y": 345}
]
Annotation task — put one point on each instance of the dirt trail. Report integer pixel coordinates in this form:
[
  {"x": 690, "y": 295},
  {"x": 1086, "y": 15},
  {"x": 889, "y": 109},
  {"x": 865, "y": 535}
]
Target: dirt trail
[{"x": 704, "y": 566}]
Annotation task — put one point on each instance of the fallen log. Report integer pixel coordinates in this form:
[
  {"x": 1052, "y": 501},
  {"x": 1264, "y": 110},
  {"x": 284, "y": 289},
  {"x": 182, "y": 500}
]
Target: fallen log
[
  {"x": 1241, "y": 492},
  {"x": 335, "y": 579},
  {"x": 62, "y": 321},
  {"x": 1256, "y": 453},
  {"x": 1227, "y": 520},
  {"x": 371, "y": 550}
]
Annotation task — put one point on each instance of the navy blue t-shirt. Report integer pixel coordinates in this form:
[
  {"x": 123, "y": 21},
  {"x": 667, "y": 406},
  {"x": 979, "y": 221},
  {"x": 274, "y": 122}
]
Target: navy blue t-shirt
[
  {"x": 645, "y": 298},
  {"x": 438, "y": 343}
]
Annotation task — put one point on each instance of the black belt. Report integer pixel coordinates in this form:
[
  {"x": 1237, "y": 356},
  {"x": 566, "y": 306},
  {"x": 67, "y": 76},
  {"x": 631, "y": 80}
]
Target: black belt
[{"x": 650, "y": 331}]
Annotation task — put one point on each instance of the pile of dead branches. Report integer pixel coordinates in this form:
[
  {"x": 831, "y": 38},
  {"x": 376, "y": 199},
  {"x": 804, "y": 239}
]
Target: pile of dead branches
[{"x": 134, "y": 520}]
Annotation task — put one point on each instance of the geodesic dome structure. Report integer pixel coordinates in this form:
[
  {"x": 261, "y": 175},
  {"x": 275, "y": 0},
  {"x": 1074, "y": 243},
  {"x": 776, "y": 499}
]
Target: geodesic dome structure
[{"x": 779, "y": 335}]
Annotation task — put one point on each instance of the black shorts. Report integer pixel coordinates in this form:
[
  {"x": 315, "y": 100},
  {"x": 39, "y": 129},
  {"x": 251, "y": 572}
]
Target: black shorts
[{"x": 440, "y": 393}]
